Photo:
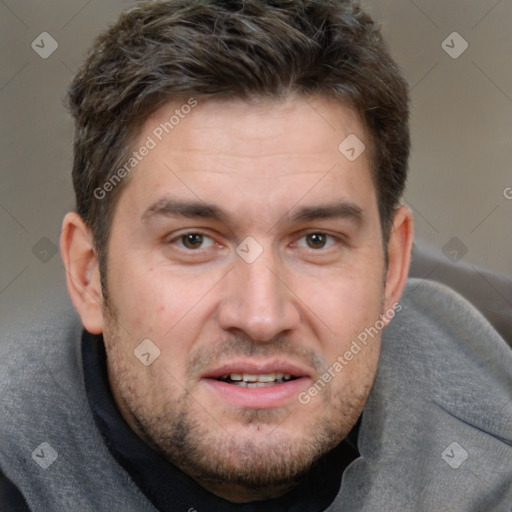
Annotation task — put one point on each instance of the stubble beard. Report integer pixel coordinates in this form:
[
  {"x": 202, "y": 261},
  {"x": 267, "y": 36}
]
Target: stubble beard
[{"x": 233, "y": 462}]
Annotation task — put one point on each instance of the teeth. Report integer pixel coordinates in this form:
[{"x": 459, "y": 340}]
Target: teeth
[{"x": 265, "y": 378}]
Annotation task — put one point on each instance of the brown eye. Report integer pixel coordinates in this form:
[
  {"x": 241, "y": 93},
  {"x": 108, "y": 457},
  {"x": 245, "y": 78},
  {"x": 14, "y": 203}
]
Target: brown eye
[
  {"x": 192, "y": 240},
  {"x": 316, "y": 240}
]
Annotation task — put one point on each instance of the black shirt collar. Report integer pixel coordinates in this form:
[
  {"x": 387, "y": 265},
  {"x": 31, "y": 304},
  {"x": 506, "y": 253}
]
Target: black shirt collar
[{"x": 168, "y": 488}]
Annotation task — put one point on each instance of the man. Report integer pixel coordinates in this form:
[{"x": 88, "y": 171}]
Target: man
[{"x": 237, "y": 250}]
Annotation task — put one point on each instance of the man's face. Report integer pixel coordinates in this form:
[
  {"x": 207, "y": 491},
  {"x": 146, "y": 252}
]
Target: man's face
[{"x": 245, "y": 246}]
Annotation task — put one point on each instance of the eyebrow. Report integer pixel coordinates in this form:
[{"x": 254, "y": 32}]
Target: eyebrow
[
  {"x": 195, "y": 209},
  {"x": 174, "y": 208},
  {"x": 342, "y": 210}
]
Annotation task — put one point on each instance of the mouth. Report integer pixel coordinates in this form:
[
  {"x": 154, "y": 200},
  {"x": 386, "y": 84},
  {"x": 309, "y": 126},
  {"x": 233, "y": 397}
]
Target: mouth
[
  {"x": 253, "y": 385},
  {"x": 247, "y": 380}
]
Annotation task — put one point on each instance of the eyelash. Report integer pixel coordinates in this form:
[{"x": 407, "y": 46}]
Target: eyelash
[
  {"x": 179, "y": 238},
  {"x": 328, "y": 236},
  {"x": 337, "y": 239}
]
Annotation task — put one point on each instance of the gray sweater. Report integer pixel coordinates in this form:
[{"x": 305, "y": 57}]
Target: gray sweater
[{"x": 436, "y": 432}]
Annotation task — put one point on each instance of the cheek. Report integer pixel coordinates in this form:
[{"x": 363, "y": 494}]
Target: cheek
[
  {"x": 347, "y": 305},
  {"x": 140, "y": 297},
  {"x": 346, "y": 310},
  {"x": 161, "y": 303},
  {"x": 351, "y": 351}
]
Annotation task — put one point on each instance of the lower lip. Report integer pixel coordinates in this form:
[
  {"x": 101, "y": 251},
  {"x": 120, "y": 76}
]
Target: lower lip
[{"x": 268, "y": 397}]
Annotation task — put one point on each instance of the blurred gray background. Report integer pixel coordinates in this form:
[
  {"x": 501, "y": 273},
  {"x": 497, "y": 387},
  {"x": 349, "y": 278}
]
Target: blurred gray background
[{"x": 456, "y": 55}]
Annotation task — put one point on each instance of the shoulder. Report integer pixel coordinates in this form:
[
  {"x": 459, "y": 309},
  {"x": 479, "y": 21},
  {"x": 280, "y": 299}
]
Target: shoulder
[
  {"x": 41, "y": 381},
  {"x": 32, "y": 353},
  {"x": 50, "y": 447},
  {"x": 463, "y": 364},
  {"x": 436, "y": 431}
]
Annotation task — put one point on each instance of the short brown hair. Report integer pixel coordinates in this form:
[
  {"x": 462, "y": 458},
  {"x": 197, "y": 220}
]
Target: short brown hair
[{"x": 159, "y": 51}]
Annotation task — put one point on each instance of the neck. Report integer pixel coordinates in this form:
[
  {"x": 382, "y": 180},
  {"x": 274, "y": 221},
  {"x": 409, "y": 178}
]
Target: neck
[{"x": 241, "y": 494}]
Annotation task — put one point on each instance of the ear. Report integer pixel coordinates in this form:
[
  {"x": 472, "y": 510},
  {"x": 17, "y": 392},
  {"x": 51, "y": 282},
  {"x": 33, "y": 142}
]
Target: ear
[
  {"x": 399, "y": 256},
  {"x": 82, "y": 271}
]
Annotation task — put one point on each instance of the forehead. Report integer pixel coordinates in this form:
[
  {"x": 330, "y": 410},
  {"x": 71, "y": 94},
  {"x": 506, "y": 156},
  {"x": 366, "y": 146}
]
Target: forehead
[
  {"x": 274, "y": 149},
  {"x": 255, "y": 129}
]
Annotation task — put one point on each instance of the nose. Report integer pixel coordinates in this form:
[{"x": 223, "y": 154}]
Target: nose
[{"x": 258, "y": 301}]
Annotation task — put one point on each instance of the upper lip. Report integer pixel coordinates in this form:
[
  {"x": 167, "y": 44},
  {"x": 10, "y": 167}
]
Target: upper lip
[{"x": 254, "y": 367}]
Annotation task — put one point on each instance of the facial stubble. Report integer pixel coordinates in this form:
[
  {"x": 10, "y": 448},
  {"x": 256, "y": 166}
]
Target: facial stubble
[{"x": 232, "y": 460}]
